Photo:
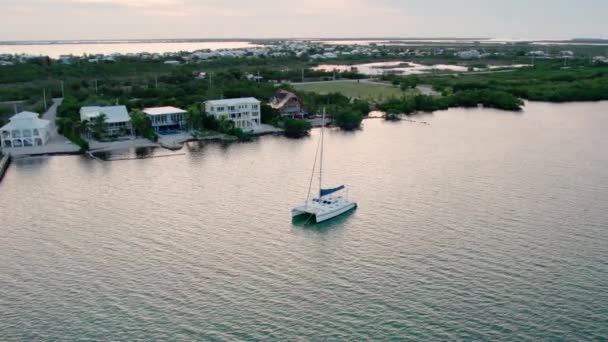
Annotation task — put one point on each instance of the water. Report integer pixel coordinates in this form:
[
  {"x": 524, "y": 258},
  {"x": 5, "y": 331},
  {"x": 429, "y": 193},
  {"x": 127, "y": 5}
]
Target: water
[
  {"x": 404, "y": 68},
  {"x": 493, "y": 41},
  {"x": 380, "y": 68},
  {"x": 108, "y": 48},
  {"x": 483, "y": 225}
]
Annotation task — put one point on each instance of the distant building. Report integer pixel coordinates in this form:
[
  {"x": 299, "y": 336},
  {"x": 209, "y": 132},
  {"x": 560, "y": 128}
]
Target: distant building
[
  {"x": 244, "y": 112},
  {"x": 24, "y": 130},
  {"x": 172, "y": 62},
  {"x": 117, "y": 118},
  {"x": 166, "y": 118},
  {"x": 600, "y": 59},
  {"x": 287, "y": 103},
  {"x": 66, "y": 59},
  {"x": 566, "y": 53},
  {"x": 255, "y": 78},
  {"x": 470, "y": 54},
  {"x": 537, "y": 53}
]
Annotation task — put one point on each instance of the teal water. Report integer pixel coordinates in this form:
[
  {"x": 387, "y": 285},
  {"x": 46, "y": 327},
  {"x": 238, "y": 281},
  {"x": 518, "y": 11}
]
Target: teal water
[{"x": 482, "y": 225}]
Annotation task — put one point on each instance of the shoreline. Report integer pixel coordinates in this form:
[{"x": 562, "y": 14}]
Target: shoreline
[
  {"x": 178, "y": 144},
  {"x": 5, "y": 162}
]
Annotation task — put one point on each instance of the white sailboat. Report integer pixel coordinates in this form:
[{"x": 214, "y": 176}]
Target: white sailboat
[{"x": 327, "y": 205}]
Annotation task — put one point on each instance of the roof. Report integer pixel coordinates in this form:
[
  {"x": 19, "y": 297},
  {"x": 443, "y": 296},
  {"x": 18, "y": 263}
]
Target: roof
[
  {"x": 281, "y": 97},
  {"x": 113, "y": 113},
  {"x": 231, "y": 102},
  {"x": 164, "y": 111},
  {"x": 26, "y": 120}
]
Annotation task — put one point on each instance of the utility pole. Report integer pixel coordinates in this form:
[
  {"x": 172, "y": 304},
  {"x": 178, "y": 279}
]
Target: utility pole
[
  {"x": 44, "y": 98},
  {"x": 15, "y": 107},
  {"x": 62, "y": 90},
  {"x": 96, "y": 89},
  {"x": 156, "y": 81}
]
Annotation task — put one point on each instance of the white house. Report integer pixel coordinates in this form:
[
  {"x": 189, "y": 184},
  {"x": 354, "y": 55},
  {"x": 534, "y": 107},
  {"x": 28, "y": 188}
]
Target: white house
[
  {"x": 166, "y": 119},
  {"x": 24, "y": 130},
  {"x": 244, "y": 112},
  {"x": 117, "y": 118}
]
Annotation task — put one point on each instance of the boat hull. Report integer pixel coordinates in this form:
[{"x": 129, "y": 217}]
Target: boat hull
[
  {"x": 321, "y": 215},
  {"x": 331, "y": 215}
]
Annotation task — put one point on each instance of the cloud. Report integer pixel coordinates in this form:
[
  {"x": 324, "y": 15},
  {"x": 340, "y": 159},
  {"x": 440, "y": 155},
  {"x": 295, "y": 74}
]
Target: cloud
[{"x": 77, "y": 19}]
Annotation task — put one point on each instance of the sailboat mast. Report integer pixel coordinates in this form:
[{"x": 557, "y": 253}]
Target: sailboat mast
[{"x": 321, "y": 158}]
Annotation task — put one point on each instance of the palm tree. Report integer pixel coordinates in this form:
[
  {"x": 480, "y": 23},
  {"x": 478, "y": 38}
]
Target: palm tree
[
  {"x": 195, "y": 117},
  {"x": 225, "y": 125},
  {"x": 99, "y": 126}
]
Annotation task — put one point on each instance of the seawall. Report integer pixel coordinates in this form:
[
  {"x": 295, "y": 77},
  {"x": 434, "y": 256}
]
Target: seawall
[{"x": 4, "y": 164}]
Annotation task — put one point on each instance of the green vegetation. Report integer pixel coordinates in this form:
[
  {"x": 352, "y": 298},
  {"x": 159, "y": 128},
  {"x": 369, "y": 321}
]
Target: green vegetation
[
  {"x": 140, "y": 83},
  {"x": 142, "y": 126},
  {"x": 296, "y": 128},
  {"x": 69, "y": 124},
  {"x": 468, "y": 98},
  {"x": 98, "y": 127},
  {"x": 547, "y": 81},
  {"x": 270, "y": 115},
  {"x": 353, "y": 89},
  {"x": 195, "y": 118},
  {"x": 348, "y": 119}
]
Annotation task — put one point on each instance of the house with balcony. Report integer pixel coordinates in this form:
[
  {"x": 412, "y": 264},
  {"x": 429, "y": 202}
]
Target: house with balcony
[
  {"x": 166, "y": 119},
  {"x": 287, "y": 103},
  {"x": 244, "y": 112},
  {"x": 117, "y": 118},
  {"x": 25, "y": 130}
]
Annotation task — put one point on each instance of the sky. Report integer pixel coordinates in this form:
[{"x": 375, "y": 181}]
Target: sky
[{"x": 148, "y": 19}]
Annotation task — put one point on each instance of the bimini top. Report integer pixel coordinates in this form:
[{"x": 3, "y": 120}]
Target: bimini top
[
  {"x": 326, "y": 192},
  {"x": 25, "y": 120}
]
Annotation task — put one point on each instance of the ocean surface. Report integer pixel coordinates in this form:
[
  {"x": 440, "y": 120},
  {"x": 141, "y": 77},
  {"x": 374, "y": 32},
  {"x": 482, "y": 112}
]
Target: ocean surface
[
  {"x": 108, "y": 48},
  {"x": 480, "y": 225}
]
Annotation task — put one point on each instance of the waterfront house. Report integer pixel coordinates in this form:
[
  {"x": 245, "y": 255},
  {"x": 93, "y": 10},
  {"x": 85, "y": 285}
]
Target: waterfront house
[
  {"x": 25, "y": 130},
  {"x": 287, "y": 103},
  {"x": 117, "y": 118},
  {"x": 166, "y": 119},
  {"x": 244, "y": 112}
]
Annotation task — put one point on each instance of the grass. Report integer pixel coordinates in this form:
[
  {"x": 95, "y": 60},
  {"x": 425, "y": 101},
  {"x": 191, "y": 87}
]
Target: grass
[{"x": 361, "y": 90}]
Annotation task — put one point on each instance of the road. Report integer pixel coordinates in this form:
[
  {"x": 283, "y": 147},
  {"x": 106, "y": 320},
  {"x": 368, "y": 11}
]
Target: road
[{"x": 51, "y": 113}]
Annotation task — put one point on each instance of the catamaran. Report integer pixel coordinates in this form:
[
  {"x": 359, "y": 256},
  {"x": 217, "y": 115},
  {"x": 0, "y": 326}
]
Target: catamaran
[{"x": 326, "y": 206}]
